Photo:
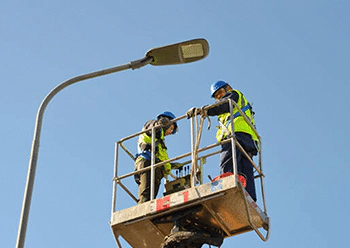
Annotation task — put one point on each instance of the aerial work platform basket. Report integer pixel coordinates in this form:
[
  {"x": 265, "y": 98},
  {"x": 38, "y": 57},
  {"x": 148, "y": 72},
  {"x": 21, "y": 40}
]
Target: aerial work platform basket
[{"x": 221, "y": 204}]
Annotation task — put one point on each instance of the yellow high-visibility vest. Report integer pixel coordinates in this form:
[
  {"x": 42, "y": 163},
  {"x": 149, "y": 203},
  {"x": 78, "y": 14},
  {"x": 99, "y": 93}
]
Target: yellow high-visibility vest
[
  {"x": 160, "y": 152},
  {"x": 240, "y": 124}
]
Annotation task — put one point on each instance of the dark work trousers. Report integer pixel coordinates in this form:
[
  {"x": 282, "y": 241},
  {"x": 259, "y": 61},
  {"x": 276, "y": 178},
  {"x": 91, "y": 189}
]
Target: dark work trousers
[
  {"x": 145, "y": 180},
  {"x": 244, "y": 166}
]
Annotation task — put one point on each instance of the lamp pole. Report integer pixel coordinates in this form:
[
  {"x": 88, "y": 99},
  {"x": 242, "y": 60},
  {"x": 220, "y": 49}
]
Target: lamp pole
[{"x": 179, "y": 53}]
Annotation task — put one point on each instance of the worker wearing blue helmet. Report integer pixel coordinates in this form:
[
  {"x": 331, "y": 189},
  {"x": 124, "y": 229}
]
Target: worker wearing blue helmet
[
  {"x": 165, "y": 126},
  {"x": 246, "y": 137}
]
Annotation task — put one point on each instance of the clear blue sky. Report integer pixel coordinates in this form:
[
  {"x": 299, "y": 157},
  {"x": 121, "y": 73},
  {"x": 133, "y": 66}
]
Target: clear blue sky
[{"x": 290, "y": 58}]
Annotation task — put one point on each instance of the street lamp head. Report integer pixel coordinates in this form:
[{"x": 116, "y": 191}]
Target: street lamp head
[{"x": 179, "y": 53}]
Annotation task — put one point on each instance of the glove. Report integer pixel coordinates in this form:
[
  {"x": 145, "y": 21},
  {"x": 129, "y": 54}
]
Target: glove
[
  {"x": 203, "y": 112},
  {"x": 191, "y": 112},
  {"x": 164, "y": 121}
]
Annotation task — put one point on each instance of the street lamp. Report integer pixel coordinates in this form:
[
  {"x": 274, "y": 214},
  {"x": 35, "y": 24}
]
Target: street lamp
[{"x": 179, "y": 53}]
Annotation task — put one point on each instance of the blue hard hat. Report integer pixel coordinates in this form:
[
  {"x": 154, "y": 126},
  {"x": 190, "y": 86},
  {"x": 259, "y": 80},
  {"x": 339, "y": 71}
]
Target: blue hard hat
[
  {"x": 171, "y": 116},
  {"x": 216, "y": 86}
]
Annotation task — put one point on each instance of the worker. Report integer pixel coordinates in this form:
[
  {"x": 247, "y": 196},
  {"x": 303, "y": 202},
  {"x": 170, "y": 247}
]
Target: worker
[
  {"x": 244, "y": 134},
  {"x": 143, "y": 158}
]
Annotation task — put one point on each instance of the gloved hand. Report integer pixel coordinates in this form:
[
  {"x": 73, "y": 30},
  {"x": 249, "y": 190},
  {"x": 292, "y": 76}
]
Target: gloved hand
[
  {"x": 191, "y": 112},
  {"x": 167, "y": 169},
  {"x": 164, "y": 121},
  {"x": 203, "y": 112}
]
